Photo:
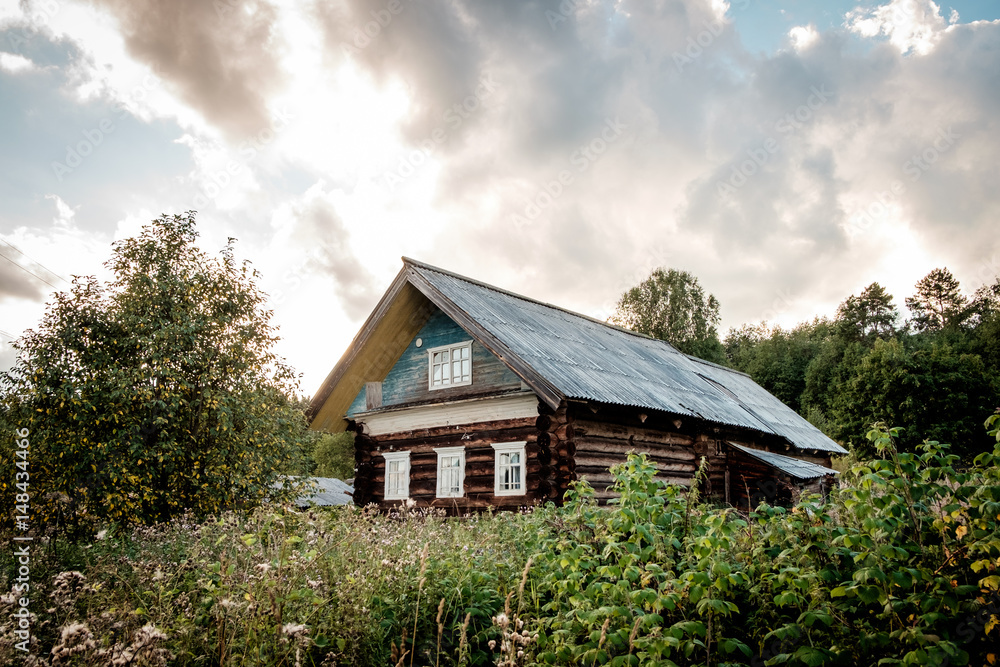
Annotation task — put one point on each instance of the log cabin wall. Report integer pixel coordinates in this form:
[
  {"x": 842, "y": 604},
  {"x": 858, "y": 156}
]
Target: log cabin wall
[
  {"x": 603, "y": 435},
  {"x": 573, "y": 442},
  {"x": 479, "y": 465}
]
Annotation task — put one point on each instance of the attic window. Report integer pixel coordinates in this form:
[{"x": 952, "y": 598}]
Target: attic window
[{"x": 450, "y": 365}]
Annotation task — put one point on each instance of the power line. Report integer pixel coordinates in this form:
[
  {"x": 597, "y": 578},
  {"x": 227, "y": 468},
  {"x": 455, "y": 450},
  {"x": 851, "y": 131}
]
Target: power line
[
  {"x": 35, "y": 260},
  {"x": 32, "y": 273},
  {"x": 8, "y": 335}
]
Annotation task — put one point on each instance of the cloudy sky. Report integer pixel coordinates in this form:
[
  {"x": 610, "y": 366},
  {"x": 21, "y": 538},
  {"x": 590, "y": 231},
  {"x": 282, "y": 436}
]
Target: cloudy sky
[{"x": 786, "y": 153}]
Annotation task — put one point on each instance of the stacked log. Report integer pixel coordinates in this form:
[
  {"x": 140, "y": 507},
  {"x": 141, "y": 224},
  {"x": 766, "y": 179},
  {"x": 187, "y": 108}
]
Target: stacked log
[
  {"x": 556, "y": 452},
  {"x": 364, "y": 472}
]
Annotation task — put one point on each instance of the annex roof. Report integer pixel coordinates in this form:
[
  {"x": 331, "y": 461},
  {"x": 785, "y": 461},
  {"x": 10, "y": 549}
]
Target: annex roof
[
  {"x": 565, "y": 355},
  {"x": 797, "y": 468},
  {"x": 325, "y": 491}
]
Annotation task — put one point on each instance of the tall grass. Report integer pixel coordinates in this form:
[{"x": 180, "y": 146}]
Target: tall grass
[{"x": 900, "y": 567}]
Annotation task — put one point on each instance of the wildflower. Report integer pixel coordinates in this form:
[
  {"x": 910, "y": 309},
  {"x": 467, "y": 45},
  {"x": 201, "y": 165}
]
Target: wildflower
[{"x": 294, "y": 630}]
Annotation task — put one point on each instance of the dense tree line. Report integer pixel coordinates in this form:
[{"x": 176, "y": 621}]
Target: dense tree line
[{"x": 937, "y": 371}]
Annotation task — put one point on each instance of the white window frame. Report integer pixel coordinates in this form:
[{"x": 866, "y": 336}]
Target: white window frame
[
  {"x": 389, "y": 457},
  {"x": 509, "y": 448},
  {"x": 444, "y": 453},
  {"x": 449, "y": 348}
]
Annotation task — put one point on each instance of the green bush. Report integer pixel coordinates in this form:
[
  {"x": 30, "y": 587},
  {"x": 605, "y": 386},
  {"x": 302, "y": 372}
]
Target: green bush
[{"x": 900, "y": 566}]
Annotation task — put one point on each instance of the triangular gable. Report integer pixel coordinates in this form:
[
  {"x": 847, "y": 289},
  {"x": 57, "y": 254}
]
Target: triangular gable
[{"x": 403, "y": 310}]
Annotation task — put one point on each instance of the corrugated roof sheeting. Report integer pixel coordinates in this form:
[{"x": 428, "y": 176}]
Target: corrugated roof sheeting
[
  {"x": 326, "y": 491},
  {"x": 589, "y": 360},
  {"x": 797, "y": 468}
]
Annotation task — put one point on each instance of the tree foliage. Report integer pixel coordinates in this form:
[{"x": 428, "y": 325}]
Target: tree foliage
[
  {"x": 671, "y": 305},
  {"x": 158, "y": 393},
  {"x": 937, "y": 376},
  {"x": 938, "y": 302},
  {"x": 333, "y": 454},
  {"x": 868, "y": 316}
]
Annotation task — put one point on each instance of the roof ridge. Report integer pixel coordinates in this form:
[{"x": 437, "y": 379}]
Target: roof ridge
[
  {"x": 715, "y": 365},
  {"x": 430, "y": 267}
]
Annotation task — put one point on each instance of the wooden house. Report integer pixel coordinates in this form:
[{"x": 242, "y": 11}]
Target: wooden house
[{"x": 462, "y": 395}]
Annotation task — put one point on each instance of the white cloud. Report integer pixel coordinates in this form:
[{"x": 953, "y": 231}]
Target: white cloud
[
  {"x": 803, "y": 36},
  {"x": 10, "y": 62},
  {"x": 909, "y": 24}
]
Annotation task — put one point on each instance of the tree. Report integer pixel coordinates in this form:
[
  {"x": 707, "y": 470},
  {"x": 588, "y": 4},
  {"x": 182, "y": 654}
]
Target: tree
[
  {"x": 333, "y": 454},
  {"x": 671, "y": 305},
  {"x": 938, "y": 392},
  {"x": 938, "y": 303},
  {"x": 868, "y": 316},
  {"x": 776, "y": 358},
  {"x": 158, "y": 393}
]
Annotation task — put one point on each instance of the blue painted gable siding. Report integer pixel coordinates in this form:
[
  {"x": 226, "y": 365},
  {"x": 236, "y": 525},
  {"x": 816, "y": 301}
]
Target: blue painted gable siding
[{"x": 406, "y": 382}]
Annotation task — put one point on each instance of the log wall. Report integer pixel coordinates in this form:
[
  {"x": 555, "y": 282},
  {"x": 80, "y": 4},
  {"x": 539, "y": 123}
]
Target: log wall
[
  {"x": 369, "y": 483},
  {"x": 574, "y": 442}
]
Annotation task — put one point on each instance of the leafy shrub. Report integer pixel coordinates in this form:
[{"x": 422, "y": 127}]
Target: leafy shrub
[{"x": 899, "y": 566}]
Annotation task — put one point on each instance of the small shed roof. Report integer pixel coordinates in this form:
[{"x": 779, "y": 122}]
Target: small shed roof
[
  {"x": 323, "y": 491},
  {"x": 797, "y": 468}
]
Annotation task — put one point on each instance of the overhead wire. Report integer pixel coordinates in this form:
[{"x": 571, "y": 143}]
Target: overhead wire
[
  {"x": 29, "y": 271},
  {"x": 34, "y": 260}
]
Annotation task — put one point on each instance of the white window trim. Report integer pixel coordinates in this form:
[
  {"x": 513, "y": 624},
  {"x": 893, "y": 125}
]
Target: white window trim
[
  {"x": 451, "y": 451},
  {"x": 397, "y": 456},
  {"x": 430, "y": 365},
  {"x": 499, "y": 448}
]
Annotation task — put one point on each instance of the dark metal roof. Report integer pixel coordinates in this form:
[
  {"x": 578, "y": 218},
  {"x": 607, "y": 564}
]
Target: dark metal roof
[
  {"x": 797, "y": 468},
  {"x": 584, "y": 358}
]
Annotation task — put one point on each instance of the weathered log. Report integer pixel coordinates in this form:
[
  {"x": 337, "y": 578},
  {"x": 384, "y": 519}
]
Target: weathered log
[
  {"x": 567, "y": 449},
  {"x": 605, "y": 463},
  {"x": 586, "y": 428},
  {"x": 592, "y": 443}
]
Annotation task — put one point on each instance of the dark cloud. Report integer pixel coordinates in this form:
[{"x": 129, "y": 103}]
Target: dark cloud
[{"x": 220, "y": 56}]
